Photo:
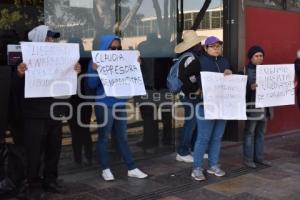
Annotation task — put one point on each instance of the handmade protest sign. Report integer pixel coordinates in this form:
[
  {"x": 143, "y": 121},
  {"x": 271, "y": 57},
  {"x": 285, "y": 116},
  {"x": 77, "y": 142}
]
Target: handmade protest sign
[
  {"x": 120, "y": 73},
  {"x": 224, "y": 96},
  {"x": 275, "y": 85},
  {"x": 50, "y": 69}
]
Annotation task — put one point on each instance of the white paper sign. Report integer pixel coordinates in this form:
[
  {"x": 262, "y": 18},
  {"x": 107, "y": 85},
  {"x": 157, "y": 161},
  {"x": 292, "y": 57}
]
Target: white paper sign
[
  {"x": 50, "y": 70},
  {"x": 275, "y": 85},
  {"x": 81, "y": 3},
  {"x": 224, "y": 96},
  {"x": 120, "y": 73}
]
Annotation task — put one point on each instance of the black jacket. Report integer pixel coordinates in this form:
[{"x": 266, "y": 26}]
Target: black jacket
[
  {"x": 189, "y": 74},
  {"x": 266, "y": 113}
]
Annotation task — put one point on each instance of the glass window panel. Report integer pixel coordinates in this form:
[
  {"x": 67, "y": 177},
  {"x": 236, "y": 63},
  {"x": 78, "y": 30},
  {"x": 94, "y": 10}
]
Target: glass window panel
[
  {"x": 267, "y": 3},
  {"x": 293, "y": 5},
  {"x": 210, "y": 24},
  {"x": 159, "y": 29}
]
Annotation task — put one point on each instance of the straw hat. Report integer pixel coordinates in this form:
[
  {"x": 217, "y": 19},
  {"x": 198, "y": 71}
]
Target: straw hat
[{"x": 190, "y": 39}]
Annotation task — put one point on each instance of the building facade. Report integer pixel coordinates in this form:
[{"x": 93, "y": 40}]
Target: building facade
[{"x": 273, "y": 24}]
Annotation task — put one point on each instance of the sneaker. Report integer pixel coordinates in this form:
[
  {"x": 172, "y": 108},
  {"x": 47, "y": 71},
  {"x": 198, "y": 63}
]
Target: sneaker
[
  {"x": 216, "y": 170},
  {"x": 107, "y": 175},
  {"x": 136, "y": 173},
  {"x": 187, "y": 158},
  {"x": 263, "y": 162},
  {"x": 249, "y": 164},
  {"x": 197, "y": 174}
]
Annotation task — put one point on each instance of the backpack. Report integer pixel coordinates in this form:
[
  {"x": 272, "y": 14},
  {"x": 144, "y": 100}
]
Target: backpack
[{"x": 174, "y": 84}]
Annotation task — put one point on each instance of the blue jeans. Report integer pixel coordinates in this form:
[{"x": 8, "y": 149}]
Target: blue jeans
[
  {"x": 253, "y": 146},
  {"x": 119, "y": 127},
  {"x": 210, "y": 133},
  {"x": 186, "y": 132}
]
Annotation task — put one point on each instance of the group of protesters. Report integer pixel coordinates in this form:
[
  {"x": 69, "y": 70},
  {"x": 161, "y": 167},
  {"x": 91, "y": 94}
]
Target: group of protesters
[{"x": 42, "y": 135}]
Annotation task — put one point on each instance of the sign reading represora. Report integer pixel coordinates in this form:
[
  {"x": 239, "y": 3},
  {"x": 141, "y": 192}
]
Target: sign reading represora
[{"x": 120, "y": 73}]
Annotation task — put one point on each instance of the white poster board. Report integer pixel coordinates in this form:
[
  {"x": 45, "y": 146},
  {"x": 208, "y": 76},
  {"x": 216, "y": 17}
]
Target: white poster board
[
  {"x": 50, "y": 69},
  {"x": 224, "y": 96},
  {"x": 275, "y": 85},
  {"x": 120, "y": 73}
]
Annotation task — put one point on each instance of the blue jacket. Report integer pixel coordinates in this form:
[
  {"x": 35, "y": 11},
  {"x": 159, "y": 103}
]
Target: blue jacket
[
  {"x": 95, "y": 82},
  {"x": 214, "y": 64}
]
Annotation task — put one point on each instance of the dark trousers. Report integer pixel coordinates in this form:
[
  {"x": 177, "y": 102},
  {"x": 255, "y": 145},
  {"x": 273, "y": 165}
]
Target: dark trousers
[
  {"x": 151, "y": 129},
  {"x": 42, "y": 137},
  {"x": 81, "y": 136},
  {"x": 5, "y": 84}
]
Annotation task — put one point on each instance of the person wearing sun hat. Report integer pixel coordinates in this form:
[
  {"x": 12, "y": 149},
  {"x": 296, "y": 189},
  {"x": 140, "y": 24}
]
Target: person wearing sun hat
[
  {"x": 189, "y": 74},
  {"x": 210, "y": 132}
]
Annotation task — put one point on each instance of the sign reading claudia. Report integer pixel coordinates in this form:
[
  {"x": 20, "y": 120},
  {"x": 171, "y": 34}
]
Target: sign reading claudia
[{"x": 120, "y": 73}]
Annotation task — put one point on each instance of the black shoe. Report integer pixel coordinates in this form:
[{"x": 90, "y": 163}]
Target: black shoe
[
  {"x": 263, "y": 162},
  {"x": 6, "y": 186},
  {"x": 53, "y": 187},
  {"x": 35, "y": 194}
]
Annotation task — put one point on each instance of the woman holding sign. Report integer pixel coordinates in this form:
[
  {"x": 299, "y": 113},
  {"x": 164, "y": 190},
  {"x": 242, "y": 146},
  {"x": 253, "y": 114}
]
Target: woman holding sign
[
  {"x": 111, "y": 115},
  {"x": 256, "y": 124},
  {"x": 210, "y": 132}
]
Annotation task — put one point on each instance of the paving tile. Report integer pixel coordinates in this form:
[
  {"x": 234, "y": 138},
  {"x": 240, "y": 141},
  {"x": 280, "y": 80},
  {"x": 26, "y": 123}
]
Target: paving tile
[
  {"x": 295, "y": 196},
  {"x": 173, "y": 180},
  {"x": 292, "y": 147},
  {"x": 238, "y": 185},
  {"x": 290, "y": 168},
  {"x": 156, "y": 169},
  {"x": 170, "y": 179},
  {"x": 77, "y": 188},
  {"x": 170, "y": 198},
  {"x": 246, "y": 196},
  {"x": 111, "y": 194},
  {"x": 273, "y": 174},
  {"x": 277, "y": 190},
  {"x": 84, "y": 196},
  {"x": 201, "y": 194},
  {"x": 139, "y": 186}
]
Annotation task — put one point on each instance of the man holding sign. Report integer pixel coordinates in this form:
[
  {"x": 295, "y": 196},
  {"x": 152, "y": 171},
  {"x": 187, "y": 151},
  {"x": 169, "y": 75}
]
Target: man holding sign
[
  {"x": 111, "y": 75},
  {"x": 42, "y": 134}
]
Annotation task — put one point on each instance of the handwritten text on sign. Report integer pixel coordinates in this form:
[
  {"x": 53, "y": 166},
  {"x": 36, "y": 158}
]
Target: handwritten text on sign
[
  {"x": 119, "y": 72},
  {"x": 275, "y": 85},
  {"x": 50, "y": 69},
  {"x": 224, "y": 96}
]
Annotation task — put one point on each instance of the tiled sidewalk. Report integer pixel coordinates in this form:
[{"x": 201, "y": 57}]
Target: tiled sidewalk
[{"x": 171, "y": 180}]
